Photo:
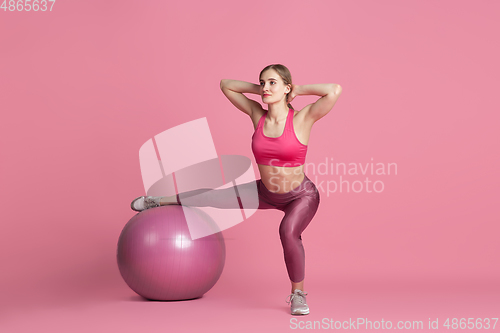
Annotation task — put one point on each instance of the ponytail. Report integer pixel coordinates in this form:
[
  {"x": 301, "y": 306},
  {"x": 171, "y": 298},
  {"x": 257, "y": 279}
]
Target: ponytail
[{"x": 288, "y": 104}]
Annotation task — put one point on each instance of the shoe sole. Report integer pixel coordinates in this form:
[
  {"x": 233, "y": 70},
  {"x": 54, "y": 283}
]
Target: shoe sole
[
  {"x": 300, "y": 312},
  {"x": 296, "y": 313},
  {"x": 132, "y": 204}
]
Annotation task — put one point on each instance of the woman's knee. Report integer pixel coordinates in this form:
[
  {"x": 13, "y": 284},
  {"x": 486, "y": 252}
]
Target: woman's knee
[{"x": 289, "y": 235}]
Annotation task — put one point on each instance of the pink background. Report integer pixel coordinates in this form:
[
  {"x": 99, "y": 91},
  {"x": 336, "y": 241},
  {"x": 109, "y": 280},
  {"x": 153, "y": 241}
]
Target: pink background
[{"x": 84, "y": 86}]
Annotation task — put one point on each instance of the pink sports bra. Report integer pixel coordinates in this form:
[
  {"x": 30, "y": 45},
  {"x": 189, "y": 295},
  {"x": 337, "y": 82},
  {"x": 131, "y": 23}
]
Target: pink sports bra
[{"x": 285, "y": 150}]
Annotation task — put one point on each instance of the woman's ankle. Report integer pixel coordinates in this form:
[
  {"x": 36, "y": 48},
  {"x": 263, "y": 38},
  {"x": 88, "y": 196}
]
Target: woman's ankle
[{"x": 168, "y": 200}]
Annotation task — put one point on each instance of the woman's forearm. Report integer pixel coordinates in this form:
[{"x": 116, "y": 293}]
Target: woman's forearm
[
  {"x": 320, "y": 89},
  {"x": 240, "y": 86}
]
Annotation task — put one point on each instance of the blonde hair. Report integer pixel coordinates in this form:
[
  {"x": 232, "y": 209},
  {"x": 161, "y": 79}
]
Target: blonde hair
[{"x": 285, "y": 75}]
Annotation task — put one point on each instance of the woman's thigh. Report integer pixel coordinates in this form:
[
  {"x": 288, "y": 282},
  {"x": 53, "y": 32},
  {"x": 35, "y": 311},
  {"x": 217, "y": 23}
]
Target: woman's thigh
[{"x": 228, "y": 198}]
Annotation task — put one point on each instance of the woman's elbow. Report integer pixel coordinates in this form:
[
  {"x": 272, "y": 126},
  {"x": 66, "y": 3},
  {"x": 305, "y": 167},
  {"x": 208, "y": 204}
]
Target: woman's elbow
[
  {"x": 337, "y": 89},
  {"x": 225, "y": 83}
]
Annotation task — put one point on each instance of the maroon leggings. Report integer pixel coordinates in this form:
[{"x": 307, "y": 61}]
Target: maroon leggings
[{"x": 299, "y": 205}]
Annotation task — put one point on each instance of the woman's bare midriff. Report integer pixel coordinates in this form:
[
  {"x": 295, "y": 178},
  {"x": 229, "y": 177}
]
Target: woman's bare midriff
[{"x": 281, "y": 179}]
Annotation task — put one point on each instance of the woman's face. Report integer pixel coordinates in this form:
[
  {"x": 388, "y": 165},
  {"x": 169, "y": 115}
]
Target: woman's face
[{"x": 272, "y": 87}]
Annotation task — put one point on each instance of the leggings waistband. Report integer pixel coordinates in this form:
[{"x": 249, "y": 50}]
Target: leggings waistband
[{"x": 305, "y": 185}]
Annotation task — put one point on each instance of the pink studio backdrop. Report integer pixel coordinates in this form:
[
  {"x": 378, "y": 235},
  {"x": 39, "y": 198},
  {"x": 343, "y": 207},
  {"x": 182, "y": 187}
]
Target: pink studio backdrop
[{"x": 84, "y": 86}]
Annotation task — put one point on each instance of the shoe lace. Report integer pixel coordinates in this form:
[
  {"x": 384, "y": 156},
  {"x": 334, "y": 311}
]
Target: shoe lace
[
  {"x": 150, "y": 202},
  {"x": 299, "y": 294}
]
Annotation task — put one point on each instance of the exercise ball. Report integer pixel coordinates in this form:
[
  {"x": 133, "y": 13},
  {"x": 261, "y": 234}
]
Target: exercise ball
[{"x": 158, "y": 259}]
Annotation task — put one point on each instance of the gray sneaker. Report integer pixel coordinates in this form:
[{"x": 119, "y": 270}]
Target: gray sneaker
[
  {"x": 142, "y": 203},
  {"x": 298, "y": 302}
]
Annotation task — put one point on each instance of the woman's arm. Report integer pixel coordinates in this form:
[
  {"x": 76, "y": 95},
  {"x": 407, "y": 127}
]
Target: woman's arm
[
  {"x": 330, "y": 92},
  {"x": 234, "y": 89}
]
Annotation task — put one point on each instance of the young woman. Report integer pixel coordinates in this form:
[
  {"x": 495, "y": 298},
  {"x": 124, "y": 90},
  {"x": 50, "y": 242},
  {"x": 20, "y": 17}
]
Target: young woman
[{"x": 279, "y": 144}]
